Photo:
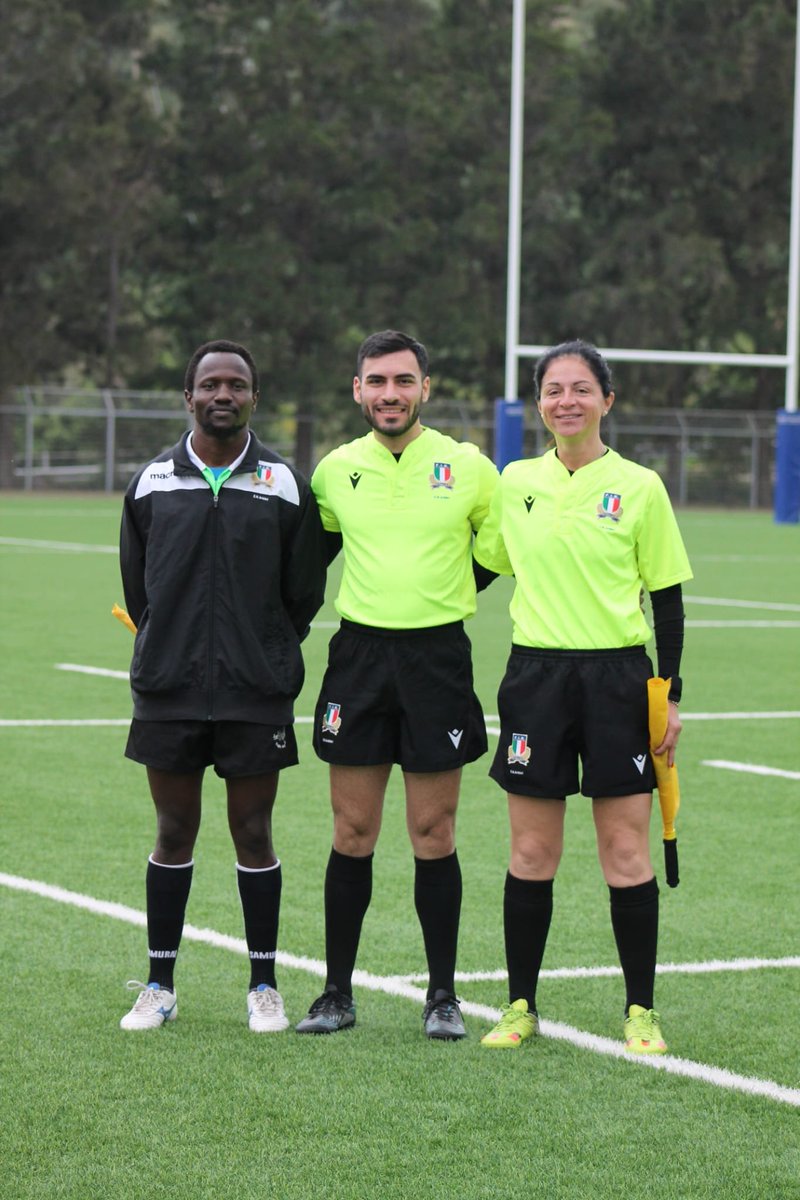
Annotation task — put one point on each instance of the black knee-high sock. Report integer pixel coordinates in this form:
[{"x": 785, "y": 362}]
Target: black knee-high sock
[
  {"x": 437, "y": 898},
  {"x": 634, "y": 919},
  {"x": 527, "y": 911},
  {"x": 348, "y": 891},
  {"x": 260, "y": 894},
  {"x": 167, "y": 891}
]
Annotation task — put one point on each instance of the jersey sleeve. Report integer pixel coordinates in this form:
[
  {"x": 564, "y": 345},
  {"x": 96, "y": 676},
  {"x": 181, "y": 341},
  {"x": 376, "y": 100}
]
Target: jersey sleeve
[
  {"x": 330, "y": 522},
  {"x": 488, "y": 477},
  {"x": 490, "y": 548},
  {"x": 660, "y": 550},
  {"x": 132, "y": 553}
]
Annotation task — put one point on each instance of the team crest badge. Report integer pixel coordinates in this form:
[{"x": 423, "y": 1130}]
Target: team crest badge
[
  {"x": 519, "y": 751},
  {"x": 442, "y": 476},
  {"x": 332, "y": 721},
  {"x": 279, "y": 738},
  {"x": 610, "y": 506},
  {"x": 264, "y": 475}
]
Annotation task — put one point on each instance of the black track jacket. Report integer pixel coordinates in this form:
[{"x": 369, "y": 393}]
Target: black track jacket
[{"x": 222, "y": 588}]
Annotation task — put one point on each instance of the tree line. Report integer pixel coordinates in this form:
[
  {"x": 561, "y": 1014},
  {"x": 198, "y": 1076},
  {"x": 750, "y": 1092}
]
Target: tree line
[{"x": 296, "y": 173}]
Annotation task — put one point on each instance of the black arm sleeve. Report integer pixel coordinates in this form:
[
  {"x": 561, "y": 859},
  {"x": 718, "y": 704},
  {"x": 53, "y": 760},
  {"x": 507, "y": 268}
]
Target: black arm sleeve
[
  {"x": 333, "y": 544},
  {"x": 131, "y": 561},
  {"x": 668, "y": 625},
  {"x": 304, "y": 567},
  {"x": 483, "y": 576}
]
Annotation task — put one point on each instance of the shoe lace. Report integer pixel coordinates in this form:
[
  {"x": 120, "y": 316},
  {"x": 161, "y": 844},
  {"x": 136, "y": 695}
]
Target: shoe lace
[
  {"x": 646, "y": 1025},
  {"x": 149, "y": 999},
  {"x": 266, "y": 1001},
  {"x": 509, "y": 1016},
  {"x": 328, "y": 1002},
  {"x": 445, "y": 1007}
]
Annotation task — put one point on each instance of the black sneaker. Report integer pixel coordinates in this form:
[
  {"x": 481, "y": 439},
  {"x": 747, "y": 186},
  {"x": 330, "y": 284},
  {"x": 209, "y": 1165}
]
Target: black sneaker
[
  {"x": 442, "y": 1018},
  {"x": 329, "y": 1013}
]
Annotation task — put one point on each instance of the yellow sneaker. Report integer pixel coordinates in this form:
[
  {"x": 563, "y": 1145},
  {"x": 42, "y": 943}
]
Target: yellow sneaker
[
  {"x": 643, "y": 1032},
  {"x": 514, "y": 1027}
]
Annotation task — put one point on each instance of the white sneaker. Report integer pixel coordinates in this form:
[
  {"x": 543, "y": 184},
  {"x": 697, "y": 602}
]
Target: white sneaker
[
  {"x": 154, "y": 1006},
  {"x": 265, "y": 1010}
]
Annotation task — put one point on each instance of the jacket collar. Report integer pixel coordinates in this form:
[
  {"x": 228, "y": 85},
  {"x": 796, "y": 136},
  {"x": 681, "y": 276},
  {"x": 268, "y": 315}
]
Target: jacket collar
[{"x": 185, "y": 465}]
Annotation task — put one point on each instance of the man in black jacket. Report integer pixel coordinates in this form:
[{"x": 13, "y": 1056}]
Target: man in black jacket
[{"x": 223, "y": 568}]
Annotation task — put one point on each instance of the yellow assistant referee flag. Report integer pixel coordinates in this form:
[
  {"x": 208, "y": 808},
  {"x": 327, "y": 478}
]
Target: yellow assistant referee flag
[
  {"x": 669, "y": 792},
  {"x": 121, "y": 615}
]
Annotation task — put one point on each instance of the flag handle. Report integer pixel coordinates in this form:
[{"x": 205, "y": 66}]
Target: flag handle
[{"x": 671, "y": 862}]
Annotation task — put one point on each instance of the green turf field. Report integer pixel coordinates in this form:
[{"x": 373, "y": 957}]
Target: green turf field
[{"x": 203, "y": 1108}]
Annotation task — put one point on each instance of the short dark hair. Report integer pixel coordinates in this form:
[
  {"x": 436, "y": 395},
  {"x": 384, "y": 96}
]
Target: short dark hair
[
  {"x": 389, "y": 341},
  {"x": 575, "y": 349},
  {"x": 220, "y": 346}
]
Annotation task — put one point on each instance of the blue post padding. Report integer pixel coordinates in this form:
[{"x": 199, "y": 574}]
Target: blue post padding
[
  {"x": 787, "y": 468},
  {"x": 508, "y": 430}
]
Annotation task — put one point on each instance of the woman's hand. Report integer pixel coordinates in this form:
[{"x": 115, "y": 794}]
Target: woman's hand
[{"x": 671, "y": 734}]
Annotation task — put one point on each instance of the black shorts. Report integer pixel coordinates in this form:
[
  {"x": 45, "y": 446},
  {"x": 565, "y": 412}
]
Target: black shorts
[
  {"x": 399, "y": 696},
  {"x": 560, "y": 706},
  {"x": 235, "y": 748}
]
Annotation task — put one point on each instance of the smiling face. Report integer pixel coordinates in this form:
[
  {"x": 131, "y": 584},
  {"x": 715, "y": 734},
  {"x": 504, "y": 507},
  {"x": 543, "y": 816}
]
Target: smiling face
[
  {"x": 571, "y": 402},
  {"x": 390, "y": 392},
  {"x": 222, "y": 399}
]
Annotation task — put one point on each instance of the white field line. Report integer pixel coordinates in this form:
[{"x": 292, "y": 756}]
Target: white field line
[
  {"x": 90, "y": 722},
  {"x": 742, "y": 624},
  {"x": 45, "y": 723},
  {"x": 750, "y": 768},
  {"x": 74, "y": 547},
  {"x": 81, "y": 670},
  {"x": 491, "y": 727},
  {"x": 772, "y": 558},
  {"x": 712, "y": 967},
  {"x": 778, "y": 715},
  {"x": 398, "y": 986},
  {"x": 721, "y": 602}
]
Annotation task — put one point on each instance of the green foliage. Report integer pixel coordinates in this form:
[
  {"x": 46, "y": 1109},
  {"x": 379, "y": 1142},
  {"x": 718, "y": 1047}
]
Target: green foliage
[
  {"x": 295, "y": 174},
  {"x": 684, "y": 197}
]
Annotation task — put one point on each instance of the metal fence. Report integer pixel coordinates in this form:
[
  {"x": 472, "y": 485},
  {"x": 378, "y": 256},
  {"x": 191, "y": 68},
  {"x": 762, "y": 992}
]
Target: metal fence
[{"x": 60, "y": 438}]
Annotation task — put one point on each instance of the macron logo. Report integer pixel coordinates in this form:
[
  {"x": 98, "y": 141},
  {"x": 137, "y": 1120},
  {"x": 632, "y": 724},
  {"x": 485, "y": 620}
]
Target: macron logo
[
  {"x": 455, "y": 736},
  {"x": 640, "y": 760},
  {"x": 354, "y": 478}
]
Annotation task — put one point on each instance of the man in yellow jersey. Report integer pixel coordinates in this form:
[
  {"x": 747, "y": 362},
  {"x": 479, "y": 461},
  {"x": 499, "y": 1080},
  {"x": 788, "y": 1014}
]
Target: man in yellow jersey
[{"x": 404, "y": 501}]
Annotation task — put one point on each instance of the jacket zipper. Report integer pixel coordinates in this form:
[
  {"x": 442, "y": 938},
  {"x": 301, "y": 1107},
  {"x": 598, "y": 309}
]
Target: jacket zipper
[{"x": 211, "y": 605}]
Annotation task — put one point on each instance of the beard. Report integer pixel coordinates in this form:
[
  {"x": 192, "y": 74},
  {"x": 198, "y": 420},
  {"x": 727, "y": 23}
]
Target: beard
[{"x": 393, "y": 430}]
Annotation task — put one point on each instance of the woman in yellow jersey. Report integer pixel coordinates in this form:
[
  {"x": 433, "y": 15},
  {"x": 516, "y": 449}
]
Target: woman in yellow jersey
[{"x": 583, "y": 531}]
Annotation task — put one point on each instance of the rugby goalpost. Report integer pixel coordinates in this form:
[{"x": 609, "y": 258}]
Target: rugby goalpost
[{"x": 509, "y": 411}]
